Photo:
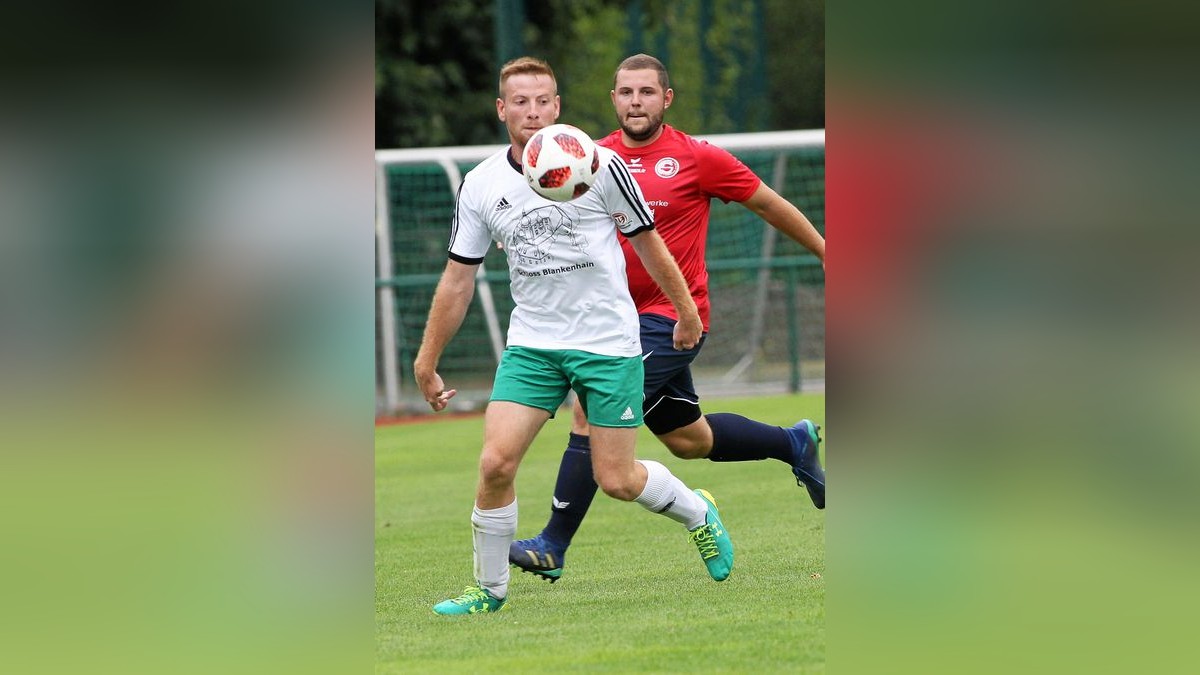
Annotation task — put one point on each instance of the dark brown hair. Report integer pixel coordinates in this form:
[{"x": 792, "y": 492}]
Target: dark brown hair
[{"x": 644, "y": 62}]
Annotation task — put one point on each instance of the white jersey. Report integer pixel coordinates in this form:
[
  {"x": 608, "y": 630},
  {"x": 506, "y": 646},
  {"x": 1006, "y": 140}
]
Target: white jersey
[{"x": 564, "y": 260}]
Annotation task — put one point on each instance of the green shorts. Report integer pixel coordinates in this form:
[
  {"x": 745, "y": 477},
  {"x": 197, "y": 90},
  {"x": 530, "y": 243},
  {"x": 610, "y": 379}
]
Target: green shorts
[{"x": 609, "y": 387}]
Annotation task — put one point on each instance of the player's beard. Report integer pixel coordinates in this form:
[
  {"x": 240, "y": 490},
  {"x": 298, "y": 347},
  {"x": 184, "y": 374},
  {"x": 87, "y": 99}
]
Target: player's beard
[{"x": 653, "y": 123}]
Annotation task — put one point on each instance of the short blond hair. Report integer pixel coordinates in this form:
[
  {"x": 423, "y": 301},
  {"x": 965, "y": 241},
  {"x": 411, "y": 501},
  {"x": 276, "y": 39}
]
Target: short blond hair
[{"x": 526, "y": 65}]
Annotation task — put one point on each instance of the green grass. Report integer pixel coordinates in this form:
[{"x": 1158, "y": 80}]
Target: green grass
[{"x": 634, "y": 596}]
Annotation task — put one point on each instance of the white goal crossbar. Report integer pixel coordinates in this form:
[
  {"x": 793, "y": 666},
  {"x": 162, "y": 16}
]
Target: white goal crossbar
[{"x": 448, "y": 157}]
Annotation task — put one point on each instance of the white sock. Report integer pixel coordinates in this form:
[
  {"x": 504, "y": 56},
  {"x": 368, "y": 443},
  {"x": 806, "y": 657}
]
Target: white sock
[
  {"x": 494, "y": 530},
  {"x": 666, "y": 494}
]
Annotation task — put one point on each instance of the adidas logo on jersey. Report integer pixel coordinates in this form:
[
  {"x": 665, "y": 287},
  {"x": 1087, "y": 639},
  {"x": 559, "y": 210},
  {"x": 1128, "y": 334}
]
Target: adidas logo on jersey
[
  {"x": 502, "y": 205},
  {"x": 628, "y": 414}
]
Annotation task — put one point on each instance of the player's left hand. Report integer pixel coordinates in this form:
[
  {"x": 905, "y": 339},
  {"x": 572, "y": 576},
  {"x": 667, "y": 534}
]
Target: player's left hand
[{"x": 688, "y": 330}]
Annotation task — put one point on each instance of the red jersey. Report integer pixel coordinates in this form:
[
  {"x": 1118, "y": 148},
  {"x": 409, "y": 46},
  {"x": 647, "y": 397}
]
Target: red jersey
[{"x": 679, "y": 176}]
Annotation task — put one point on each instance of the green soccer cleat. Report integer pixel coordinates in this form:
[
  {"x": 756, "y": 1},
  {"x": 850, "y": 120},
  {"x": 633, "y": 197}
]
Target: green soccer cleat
[
  {"x": 716, "y": 548},
  {"x": 474, "y": 600}
]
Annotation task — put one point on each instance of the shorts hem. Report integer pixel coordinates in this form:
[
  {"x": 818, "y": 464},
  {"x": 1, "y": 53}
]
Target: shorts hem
[{"x": 526, "y": 404}]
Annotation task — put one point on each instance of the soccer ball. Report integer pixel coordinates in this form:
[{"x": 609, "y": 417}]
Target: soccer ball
[{"x": 560, "y": 162}]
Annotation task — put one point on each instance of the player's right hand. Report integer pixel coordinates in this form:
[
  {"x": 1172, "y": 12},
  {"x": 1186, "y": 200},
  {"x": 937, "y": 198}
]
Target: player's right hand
[{"x": 434, "y": 390}]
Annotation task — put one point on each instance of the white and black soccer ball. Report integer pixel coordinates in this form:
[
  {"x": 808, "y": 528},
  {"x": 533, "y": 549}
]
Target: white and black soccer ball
[{"x": 560, "y": 162}]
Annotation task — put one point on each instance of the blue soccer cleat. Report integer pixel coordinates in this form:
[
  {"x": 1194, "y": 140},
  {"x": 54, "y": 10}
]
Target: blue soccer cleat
[
  {"x": 537, "y": 556},
  {"x": 806, "y": 460}
]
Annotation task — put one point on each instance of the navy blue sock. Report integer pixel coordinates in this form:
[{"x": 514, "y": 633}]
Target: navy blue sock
[
  {"x": 573, "y": 492},
  {"x": 738, "y": 439}
]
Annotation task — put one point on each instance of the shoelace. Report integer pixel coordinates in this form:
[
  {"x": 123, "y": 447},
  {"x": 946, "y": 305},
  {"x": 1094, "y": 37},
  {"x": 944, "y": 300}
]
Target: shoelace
[
  {"x": 702, "y": 537},
  {"x": 470, "y": 594}
]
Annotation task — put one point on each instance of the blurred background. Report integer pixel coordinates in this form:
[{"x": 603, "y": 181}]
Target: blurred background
[
  {"x": 186, "y": 213},
  {"x": 1015, "y": 354},
  {"x": 738, "y": 67},
  {"x": 735, "y": 65}
]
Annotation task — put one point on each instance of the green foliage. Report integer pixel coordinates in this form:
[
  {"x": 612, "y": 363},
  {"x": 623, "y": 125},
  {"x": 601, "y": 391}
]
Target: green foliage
[
  {"x": 796, "y": 63},
  {"x": 736, "y": 65},
  {"x": 634, "y": 597},
  {"x": 584, "y": 42},
  {"x": 434, "y": 78}
]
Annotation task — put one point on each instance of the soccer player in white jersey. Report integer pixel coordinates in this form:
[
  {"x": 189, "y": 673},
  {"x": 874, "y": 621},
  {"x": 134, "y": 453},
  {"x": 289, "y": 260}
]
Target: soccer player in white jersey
[
  {"x": 574, "y": 326},
  {"x": 679, "y": 175}
]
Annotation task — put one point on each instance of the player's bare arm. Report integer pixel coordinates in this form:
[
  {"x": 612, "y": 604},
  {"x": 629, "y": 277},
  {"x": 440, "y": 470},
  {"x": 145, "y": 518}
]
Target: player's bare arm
[
  {"x": 785, "y": 217},
  {"x": 662, "y": 267},
  {"x": 450, "y": 303}
]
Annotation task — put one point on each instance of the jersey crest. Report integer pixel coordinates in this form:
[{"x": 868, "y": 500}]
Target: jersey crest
[{"x": 666, "y": 167}]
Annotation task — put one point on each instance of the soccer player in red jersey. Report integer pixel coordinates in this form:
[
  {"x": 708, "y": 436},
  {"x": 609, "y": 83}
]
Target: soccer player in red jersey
[{"x": 679, "y": 176}]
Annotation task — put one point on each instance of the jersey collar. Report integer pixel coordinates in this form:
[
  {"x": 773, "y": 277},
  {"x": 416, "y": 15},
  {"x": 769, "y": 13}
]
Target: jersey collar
[{"x": 512, "y": 162}]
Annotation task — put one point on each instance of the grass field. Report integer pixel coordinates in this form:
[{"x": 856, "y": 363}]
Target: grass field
[{"x": 634, "y": 596}]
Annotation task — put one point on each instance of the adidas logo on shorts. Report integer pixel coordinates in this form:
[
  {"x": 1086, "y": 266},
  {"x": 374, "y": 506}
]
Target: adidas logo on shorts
[{"x": 628, "y": 414}]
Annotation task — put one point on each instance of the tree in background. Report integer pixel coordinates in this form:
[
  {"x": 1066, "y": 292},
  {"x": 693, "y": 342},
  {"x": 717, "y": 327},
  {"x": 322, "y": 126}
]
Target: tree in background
[
  {"x": 583, "y": 40},
  {"x": 796, "y": 63},
  {"x": 736, "y": 65},
  {"x": 434, "y": 77}
]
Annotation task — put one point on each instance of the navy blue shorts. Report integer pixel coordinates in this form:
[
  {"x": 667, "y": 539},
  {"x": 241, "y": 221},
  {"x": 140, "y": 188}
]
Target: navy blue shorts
[{"x": 670, "y": 400}]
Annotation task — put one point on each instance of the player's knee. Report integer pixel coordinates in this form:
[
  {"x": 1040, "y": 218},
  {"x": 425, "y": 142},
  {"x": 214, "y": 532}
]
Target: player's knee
[{"x": 497, "y": 468}]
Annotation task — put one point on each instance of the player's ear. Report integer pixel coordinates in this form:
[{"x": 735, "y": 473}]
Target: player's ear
[
  {"x": 668, "y": 97},
  {"x": 557, "y": 106},
  {"x": 500, "y": 109}
]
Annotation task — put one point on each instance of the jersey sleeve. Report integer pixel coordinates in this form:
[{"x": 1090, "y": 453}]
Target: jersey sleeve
[
  {"x": 623, "y": 197},
  {"x": 469, "y": 237},
  {"x": 724, "y": 176}
]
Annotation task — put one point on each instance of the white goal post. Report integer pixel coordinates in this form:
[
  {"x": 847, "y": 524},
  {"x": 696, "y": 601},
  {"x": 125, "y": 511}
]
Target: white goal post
[{"x": 449, "y": 158}]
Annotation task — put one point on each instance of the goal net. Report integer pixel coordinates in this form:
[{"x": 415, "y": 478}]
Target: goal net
[{"x": 767, "y": 330}]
